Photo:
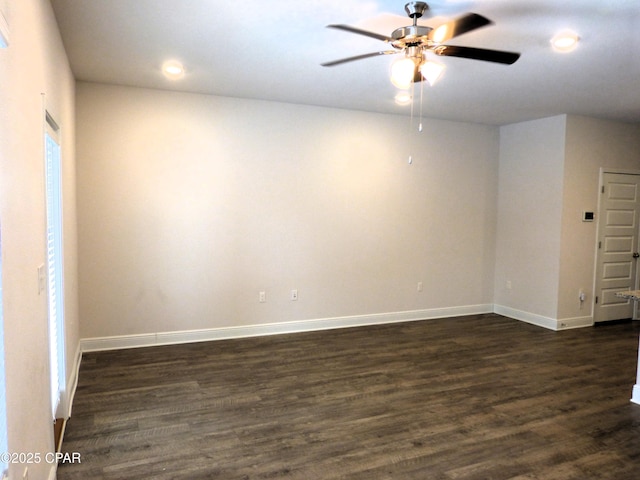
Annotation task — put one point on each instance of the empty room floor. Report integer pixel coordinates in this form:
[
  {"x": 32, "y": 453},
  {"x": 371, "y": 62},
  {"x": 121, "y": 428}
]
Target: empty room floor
[{"x": 476, "y": 397}]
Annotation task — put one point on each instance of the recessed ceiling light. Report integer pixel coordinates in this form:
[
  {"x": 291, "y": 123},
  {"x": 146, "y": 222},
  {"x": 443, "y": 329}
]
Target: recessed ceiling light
[
  {"x": 173, "y": 69},
  {"x": 565, "y": 41}
]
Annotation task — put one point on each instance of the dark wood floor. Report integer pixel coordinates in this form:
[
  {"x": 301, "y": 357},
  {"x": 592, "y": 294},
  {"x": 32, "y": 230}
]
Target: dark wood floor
[{"x": 481, "y": 397}]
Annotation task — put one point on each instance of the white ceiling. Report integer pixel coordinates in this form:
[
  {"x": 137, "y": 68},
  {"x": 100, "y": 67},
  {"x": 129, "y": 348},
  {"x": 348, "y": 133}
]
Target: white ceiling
[{"x": 272, "y": 50}]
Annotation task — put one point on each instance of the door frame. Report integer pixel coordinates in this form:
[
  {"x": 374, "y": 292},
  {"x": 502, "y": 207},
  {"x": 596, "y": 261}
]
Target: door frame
[{"x": 603, "y": 171}]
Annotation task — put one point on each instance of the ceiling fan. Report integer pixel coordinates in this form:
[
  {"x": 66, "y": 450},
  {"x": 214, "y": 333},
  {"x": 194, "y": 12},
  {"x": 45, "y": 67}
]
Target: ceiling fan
[{"x": 416, "y": 40}]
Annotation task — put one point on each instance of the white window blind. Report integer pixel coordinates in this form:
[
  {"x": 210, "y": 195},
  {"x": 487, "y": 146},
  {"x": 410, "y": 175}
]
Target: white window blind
[
  {"x": 54, "y": 267},
  {"x": 3, "y": 388},
  {"x": 4, "y": 32}
]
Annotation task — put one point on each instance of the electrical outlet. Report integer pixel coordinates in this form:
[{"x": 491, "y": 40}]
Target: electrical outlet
[
  {"x": 419, "y": 286},
  {"x": 294, "y": 295},
  {"x": 262, "y": 297}
]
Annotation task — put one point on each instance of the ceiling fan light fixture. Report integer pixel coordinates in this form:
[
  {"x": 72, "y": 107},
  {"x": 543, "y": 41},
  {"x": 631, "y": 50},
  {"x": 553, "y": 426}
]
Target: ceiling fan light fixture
[
  {"x": 173, "y": 69},
  {"x": 402, "y": 72},
  {"x": 565, "y": 41},
  {"x": 431, "y": 71},
  {"x": 416, "y": 41}
]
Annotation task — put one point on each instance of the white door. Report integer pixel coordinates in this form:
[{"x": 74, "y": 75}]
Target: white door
[{"x": 617, "y": 245}]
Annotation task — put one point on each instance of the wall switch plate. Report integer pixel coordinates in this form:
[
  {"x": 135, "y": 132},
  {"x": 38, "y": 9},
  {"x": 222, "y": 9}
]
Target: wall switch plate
[
  {"x": 420, "y": 286},
  {"x": 294, "y": 295}
]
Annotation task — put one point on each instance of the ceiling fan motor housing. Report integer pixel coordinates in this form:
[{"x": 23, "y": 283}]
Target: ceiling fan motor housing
[
  {"x": 410, "y": 36},
  {"x": 414, "y": 35}
]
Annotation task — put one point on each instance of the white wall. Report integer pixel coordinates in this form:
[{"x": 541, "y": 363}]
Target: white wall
[
  {"x": 591, "y": 144},
  {"x": 189, "y": 205},
  {"x": 34, "y": 63},
  {"x": 529, "y": 219}
]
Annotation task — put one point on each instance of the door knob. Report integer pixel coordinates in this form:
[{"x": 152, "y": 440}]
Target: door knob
[{"x": 636, "y": 254}]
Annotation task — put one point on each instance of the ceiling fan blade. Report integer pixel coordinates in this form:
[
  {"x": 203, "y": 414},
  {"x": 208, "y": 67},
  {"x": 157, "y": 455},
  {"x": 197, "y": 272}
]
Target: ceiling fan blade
[
  {"x": 359, "y": 31},
  {"x": 454, "y": 28},
  {"x": 496, "y": 56},
  {"x": 359, "y": 57}
]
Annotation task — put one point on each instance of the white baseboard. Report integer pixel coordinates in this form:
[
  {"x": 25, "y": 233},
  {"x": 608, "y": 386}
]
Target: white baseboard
[
  {"x": 527, "y": 317},
  {"x": 635, "y": 397},
  {"x": 72, "y": 383},
  {"x": 574, "y": 322},
  {"x": 542, "y": 321},
  {"x": 225, "y": 333}
]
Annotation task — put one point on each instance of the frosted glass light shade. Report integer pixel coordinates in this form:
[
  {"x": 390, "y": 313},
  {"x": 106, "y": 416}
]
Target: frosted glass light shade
[
  {"x": 431, "y": 71},
  {"x": 402, "y": 72}
]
